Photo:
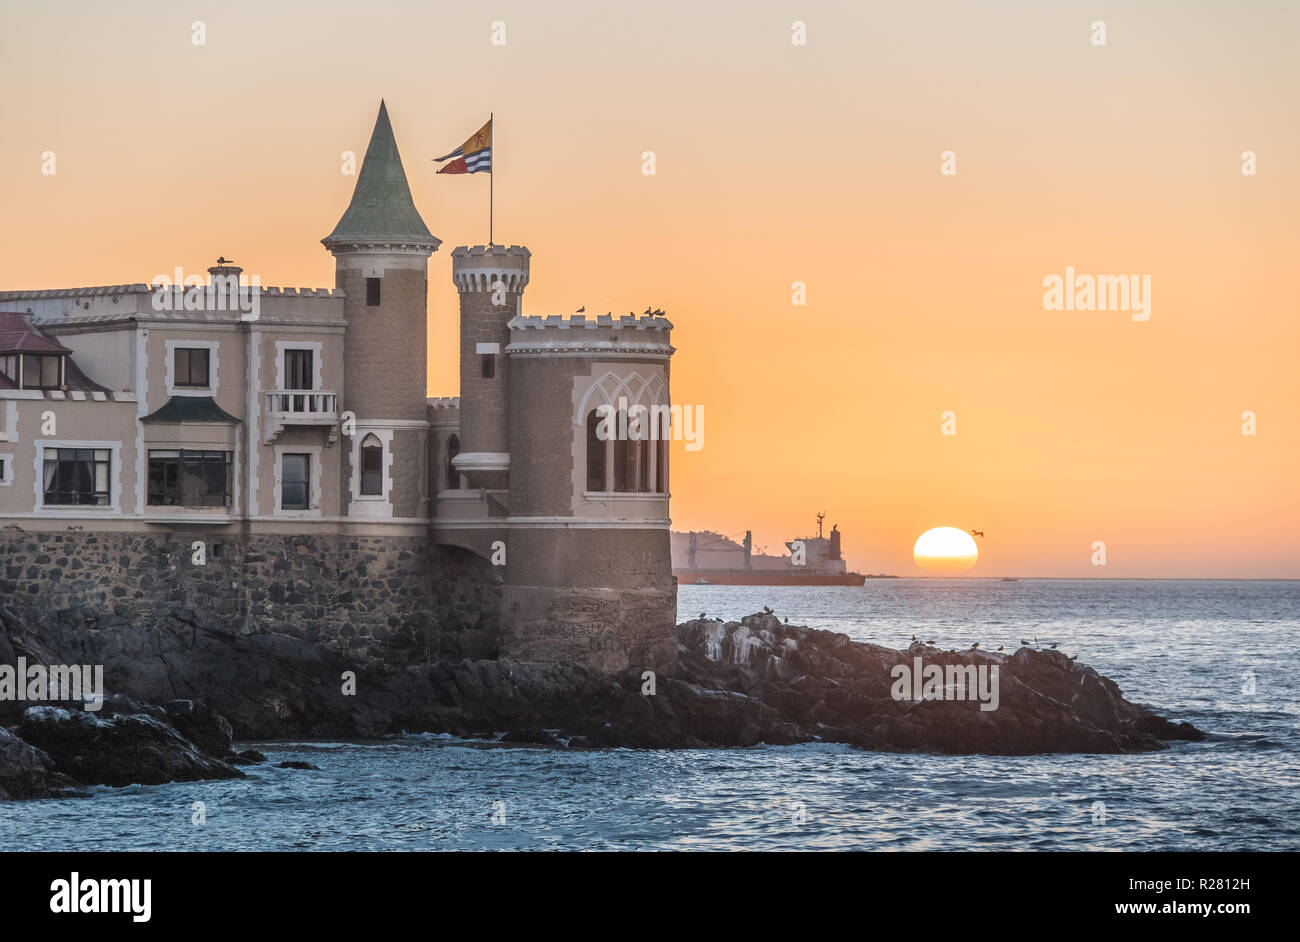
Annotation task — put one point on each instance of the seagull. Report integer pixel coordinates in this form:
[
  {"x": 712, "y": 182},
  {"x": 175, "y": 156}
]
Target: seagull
[
  {"x": 222, "y": 260},
  {"x": 648, "y": 311},
  {"x": 977, "y": 533},
  {"x": 975, "y": 645},
  {"x": 582, "y": 310},
  {"x": 658, "y": 312}
]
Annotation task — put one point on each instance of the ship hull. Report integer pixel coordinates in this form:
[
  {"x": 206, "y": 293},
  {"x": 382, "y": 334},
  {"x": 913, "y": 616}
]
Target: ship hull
[{"x": 760, "y": 577}]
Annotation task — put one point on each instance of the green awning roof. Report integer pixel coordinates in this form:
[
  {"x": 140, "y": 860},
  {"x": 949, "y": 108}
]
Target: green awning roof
[{"x": 191, "y": 409}]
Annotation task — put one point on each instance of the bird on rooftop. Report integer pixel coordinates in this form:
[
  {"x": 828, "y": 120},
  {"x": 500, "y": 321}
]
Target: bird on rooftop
[
  {"x": 222, "y": 260},
  {"x": 977, "y": 533},
  {"x": 582, "y": 310},
  {"x": 648, "y": 311},
  {"x": 658, "y": 312}
]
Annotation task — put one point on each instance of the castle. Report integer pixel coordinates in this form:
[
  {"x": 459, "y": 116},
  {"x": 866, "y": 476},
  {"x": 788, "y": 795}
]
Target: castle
[{"x": 277, "y": 461}]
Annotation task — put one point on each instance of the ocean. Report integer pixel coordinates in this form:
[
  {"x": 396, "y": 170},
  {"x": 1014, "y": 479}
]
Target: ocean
[{"x": 1223, "y": 655}]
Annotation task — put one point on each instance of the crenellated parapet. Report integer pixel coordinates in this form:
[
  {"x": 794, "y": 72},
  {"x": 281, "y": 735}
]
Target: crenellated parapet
[
  {"x": 643, "y": 336},
  {"x": 481, "y": 268}
]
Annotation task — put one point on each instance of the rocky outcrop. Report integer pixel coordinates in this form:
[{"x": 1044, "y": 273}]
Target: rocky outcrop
[
  {"x": 736, "y": 683},
  {"x": 120, "y": 749},
  {"x": 26, "y": 772}
]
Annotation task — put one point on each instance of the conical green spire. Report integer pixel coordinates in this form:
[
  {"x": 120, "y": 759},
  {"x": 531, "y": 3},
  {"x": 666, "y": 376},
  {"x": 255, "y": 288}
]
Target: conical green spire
[{"x": 381, "y": 210}]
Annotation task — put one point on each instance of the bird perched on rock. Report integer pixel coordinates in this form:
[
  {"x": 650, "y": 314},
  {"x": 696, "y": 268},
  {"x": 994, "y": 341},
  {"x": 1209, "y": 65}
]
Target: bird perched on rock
[
  {"x": 1023, "y": 641},
  {"x": 1052, "y": 645},
  {"x": 701, "y": 614},
  {"x": 766, "y": 610},
  {"x": 1000, "y": 647},
  {"x": 1074, "y": 657},
  {"x": 786, "y": 620},
  {"x": 975, "y": 645},
  {"x": 913, "y": 637},
  {"x": 930, "y": 642}
]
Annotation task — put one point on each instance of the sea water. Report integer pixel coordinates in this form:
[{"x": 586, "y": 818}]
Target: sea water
[{"x": 1223, "y": 655}]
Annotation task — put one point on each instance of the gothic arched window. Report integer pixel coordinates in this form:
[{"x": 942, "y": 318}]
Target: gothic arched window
[
  {"x": 596, "y": 459},
  {"x": 372, "y": 466}
]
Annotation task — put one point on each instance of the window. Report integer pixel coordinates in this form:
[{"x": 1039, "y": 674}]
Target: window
[
  {"x": 661, "y": 466},
  {"x": 76, "y": 476},
  {"x": 191, "y": 367},
  {"x": 488, "y": 365},
  {"x": 39, "y": 370},
  {"x": 372, "y": 466},
  {"x": 299, "y": 372},
  {"x": 295, "y": 478},
  {"x": 372, "y": 292},
  {"x": 189, "y": 478},
  {"x": 453, "y": 449},
  {"x": 595, "y": 454}
]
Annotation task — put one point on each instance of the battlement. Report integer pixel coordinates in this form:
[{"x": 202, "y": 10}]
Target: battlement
[
  {"x": 603, "y": 335},
  {"x": 582, "y": 322},
  {"x": 480, "y": 267}
]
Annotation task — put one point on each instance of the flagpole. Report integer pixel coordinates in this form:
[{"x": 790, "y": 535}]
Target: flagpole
[{"x": 492, "y": 174}]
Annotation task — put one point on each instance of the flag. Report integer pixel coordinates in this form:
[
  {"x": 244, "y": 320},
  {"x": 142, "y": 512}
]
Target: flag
[{"x": 474, "y": 156}]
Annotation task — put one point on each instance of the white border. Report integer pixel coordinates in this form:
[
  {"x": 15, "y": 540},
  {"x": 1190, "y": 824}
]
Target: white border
[
  {"x": 317, "y": 361},
  {"x": 313, "y": 485},
  {"x": 65, "y": 510},
  {"x": 214, "y": 361}
]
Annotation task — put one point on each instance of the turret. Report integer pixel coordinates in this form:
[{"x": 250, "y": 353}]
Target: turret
[
  {"x": 381, "y": 248},
  {"x": 491, "y": 281}
]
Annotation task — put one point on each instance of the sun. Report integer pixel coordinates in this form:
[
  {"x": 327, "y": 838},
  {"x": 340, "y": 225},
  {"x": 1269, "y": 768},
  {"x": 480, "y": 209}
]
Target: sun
[{"x": 945, "y": 549}]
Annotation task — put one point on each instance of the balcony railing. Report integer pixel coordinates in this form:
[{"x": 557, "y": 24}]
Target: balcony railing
[
  {"x": 286, "y": 407},
  {"x": 303, "y": 402}
]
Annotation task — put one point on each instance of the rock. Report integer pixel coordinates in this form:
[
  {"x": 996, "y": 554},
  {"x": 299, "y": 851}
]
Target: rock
[
  {"x": 27, "y": 772},
  {"x": 201, "y": 725},
  {"x": 123, "y": 749},
  {"x": 535, "y": 737},
  {"x": 247, "y": 757},
  {"x": 295, "y": 764}
]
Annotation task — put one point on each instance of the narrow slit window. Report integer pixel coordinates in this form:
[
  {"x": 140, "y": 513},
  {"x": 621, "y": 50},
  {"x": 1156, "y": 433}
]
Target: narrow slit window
[{"x": 372, "y": 292}]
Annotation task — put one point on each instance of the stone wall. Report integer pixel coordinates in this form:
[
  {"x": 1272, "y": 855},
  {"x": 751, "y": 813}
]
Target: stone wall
[{"x": 270, "y": 619}]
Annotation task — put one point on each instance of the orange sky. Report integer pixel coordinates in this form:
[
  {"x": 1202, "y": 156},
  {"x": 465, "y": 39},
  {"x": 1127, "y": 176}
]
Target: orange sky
[{"x": 776, "y": 163}]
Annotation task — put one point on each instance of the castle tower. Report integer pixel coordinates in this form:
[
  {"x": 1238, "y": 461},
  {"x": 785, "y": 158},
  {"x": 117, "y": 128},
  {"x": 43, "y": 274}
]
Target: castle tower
[
  {"x": 589, "y": 570},
  {"x": 491, "y": 281},
  {"x": 381, "y": 248}
]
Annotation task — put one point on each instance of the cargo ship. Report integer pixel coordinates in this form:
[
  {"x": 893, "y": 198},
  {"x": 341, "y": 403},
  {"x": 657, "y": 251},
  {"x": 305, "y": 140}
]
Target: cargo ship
[{"x": 703, "y": 557}]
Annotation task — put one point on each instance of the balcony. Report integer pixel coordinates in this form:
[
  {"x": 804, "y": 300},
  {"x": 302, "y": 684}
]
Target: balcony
[{"x": 301, "y": 407}]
